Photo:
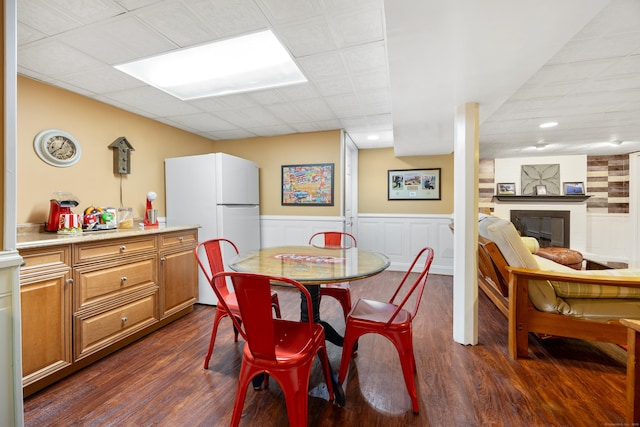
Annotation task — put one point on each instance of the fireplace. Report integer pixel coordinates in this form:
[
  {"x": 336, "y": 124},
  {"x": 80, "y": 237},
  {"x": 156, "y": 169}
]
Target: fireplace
[{"x": 549, "y": 228}]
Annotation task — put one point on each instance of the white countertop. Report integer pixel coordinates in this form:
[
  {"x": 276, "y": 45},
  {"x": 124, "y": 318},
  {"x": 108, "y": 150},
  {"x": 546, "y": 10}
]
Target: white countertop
[{"x": 38, "y": 239}]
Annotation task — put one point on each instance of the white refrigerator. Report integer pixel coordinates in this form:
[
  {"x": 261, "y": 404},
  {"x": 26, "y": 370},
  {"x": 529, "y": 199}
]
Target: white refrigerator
[{"x": 218, "y": 192}]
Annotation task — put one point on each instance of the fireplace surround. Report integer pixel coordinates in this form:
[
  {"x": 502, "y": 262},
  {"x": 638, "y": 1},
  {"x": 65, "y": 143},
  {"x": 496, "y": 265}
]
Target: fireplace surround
[{"x": 551, "y": 228}]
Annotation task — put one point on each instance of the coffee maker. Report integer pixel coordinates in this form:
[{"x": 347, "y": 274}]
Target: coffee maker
[{"x": 61, "y": 203}]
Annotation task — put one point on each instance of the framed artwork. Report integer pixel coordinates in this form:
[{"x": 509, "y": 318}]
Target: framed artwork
[
  {"x": 534, "y": 175},
  {"x": 573, "y": 188},
  {"x": 506, "y": 189},
  {"x": 307, "y": 185},
  {"x": 541, "y": 190},
  {"x": 413, "y": 184}
]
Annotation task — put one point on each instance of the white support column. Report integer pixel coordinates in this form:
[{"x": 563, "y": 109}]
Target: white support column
[{"x": 465, "y": 218}]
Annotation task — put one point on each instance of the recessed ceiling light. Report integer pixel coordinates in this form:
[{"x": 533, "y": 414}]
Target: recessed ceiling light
[
  {"x": 615, "y": 142},
  {"x": 250, "y": 62},
  {"x": 373, "y": 137},
  {"x": 548, "y": 125}
]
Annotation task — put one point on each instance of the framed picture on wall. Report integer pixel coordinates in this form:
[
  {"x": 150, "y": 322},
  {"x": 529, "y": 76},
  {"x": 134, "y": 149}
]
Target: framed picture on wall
[
  {"x": 413, "y": 184},
  {"x": 307, "y": 185},
  {"x": 506, "y": 188},
  {"x": 573, "y": 188}
]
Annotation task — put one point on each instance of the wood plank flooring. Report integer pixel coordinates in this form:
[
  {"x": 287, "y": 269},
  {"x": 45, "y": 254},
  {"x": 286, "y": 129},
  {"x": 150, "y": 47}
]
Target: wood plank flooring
[{"x": 160, "y": 381}]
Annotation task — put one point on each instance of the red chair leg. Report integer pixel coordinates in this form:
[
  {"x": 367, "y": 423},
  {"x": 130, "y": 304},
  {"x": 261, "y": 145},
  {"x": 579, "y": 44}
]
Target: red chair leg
[
  {"x": 342, "y": 295},
  {"x": 216, "y": 320},
  {"x": 403, "y": 344},
  {"x": 275, "y": 303},
  {"x": 247, "y": 372},
  {"x": 351, "y": 336}
]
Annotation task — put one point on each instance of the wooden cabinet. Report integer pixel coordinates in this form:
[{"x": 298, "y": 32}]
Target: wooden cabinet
[
  {"x": 45, "y": 299},
  {"x": 84, "y": 300},
  {"x": 178, "y": 271}
]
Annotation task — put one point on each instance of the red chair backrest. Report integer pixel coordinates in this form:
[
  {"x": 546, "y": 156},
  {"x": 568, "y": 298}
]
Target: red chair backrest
[
  {"x": 253, "y": 293},
  {"x": 213, "y": 250},
  {"x": 417, "y": 286},
  {"x": 335, "y": 239}
]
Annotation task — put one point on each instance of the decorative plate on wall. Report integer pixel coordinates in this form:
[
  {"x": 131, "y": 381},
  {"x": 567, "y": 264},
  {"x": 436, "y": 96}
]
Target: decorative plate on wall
[
  {"x": 540, "y": 175},
  {"x": 57, "y": 147}
]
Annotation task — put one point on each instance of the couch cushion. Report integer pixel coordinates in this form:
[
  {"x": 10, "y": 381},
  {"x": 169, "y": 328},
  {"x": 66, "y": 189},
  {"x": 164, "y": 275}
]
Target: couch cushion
[
  {"x": 531, "y": 243},
  {"x": 586, "y": 290},
  {"x": 507, "y": 239}
]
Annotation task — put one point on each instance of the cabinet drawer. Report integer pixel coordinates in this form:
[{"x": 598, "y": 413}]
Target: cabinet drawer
[
  {"x": 113, "y": 248},
  {"x": 106, "y": 283},
  {"x": 95, "y": 332},
  {"x": 44, "y": 259},
  {"x": 178, "y": 239}
]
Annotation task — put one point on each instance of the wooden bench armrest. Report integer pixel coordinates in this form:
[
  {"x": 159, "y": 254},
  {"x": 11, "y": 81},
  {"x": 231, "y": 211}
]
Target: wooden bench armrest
[{"x": 624, "y": 281}]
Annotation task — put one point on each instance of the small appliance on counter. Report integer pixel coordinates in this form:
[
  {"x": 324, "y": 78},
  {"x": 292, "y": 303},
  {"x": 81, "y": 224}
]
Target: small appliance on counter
[
  {"x": 60, "y": 210},
  {"x": 96, "y": 218},
  {"x": 151, "y": 214}
]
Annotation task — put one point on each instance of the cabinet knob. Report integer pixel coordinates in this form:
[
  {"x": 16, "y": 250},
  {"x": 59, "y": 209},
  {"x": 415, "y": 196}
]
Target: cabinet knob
[
  {"x": 123, "y": 279},
  {"x": 163, "y": 259},
  {"x": 124, "y": 319},
  {"x": 69, "y": 281},
  {"x": 122, "y": 248},
  {"x": 180, "y": 239}
]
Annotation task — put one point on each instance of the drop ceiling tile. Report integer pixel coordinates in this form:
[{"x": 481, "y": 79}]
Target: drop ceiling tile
[
  {"x": 297, "y": 92},
  {"x": 204, "y": 122},
  {"x": 153, "y": 101},
  {"x": 373, "y": 80},
  {"x": 266, "y": 97},
  {"x": 314, "y": 109},
  {"x": 45, "y": 56},
  {"x": 334, "y": 86},
  {"x": 26, "y": 34},
  {"x": 366, "y": 57},
  {"x": 111, "y": 41},
  {"x": 272, "y": 130},
  {"x": 322, "y": 66},
  {"x": 136, "y": 4},
  {"x": 358, "y": 26},
  {"x": 287, "y": 113},
  {"x": 315, "y": 126},
  {"x": 281, "y": 11},
  {"x": 176, "y": 22},
  {"x": 307, "y": 37},
  {"x": 230, "y": 134},
  {"x": 230, "y": 17},
  {"x": 102, "y": 79},
  {"x": 87, "y": 12},
  {"x": 43, "y": 16},
  {"x": 221, "y": 103}
]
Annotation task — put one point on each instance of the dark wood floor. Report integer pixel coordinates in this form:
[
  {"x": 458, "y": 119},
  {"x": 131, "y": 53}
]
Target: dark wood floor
[{"x": 159, "y": 380}]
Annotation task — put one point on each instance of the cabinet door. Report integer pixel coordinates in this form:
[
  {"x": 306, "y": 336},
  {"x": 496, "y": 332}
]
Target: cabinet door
[
  {"x": 46, "y": 325},
  {"x": 179, "y": 281}
]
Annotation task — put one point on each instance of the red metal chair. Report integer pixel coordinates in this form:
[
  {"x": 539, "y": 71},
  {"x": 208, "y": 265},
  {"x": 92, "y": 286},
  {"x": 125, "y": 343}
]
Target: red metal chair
[
  {"x": 213, "y": 250},
  {"x": 283, "y": 349},
  {"x": 340, "y": 291},
  {"x": 391, "y": 320}
]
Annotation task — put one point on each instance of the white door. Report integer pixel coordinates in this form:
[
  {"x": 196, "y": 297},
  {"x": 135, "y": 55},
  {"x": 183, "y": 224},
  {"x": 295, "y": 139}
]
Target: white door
[{"x": 350, "y": 186}]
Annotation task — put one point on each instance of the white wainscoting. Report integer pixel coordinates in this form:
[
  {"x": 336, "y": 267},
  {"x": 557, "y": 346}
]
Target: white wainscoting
[
  {"x": 400, "y": 237},
  {"x": 608, "y": 237},
  {"x": 397, "y": 236},
  {"x": 281, "y": 230}
]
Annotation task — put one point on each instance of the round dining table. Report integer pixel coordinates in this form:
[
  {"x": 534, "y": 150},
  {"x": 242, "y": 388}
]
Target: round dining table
[{"x": 313, "y": 266}]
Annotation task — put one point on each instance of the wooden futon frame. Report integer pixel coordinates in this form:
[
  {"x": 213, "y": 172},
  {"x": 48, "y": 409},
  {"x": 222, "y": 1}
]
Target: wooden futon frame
[{"x": 508, "y": 288}]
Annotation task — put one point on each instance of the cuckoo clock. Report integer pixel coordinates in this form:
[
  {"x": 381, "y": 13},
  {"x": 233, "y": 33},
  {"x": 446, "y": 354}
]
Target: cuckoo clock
[{"x": 121, "y": 155}]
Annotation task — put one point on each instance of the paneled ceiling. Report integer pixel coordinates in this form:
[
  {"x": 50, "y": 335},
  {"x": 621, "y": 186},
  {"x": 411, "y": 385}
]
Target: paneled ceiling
[{"x": 397, "y": 69}]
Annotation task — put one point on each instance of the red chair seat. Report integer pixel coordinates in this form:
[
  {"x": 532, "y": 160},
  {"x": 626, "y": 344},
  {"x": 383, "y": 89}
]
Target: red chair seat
[
  {"x": 391, "y": 320},
  {"x": 283, "y": 349}
]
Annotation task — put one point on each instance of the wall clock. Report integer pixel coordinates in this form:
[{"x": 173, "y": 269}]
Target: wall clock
[{"x": 57, "y": 147}]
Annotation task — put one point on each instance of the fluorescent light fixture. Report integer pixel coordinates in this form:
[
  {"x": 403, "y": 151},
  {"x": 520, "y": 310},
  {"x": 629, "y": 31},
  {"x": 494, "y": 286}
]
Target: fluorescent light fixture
[
  {"x": 242, "y": 64},
  {"x": 548, "y": 125}
]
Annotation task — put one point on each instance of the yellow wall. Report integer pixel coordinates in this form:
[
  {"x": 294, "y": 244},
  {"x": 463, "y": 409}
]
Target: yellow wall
[
  {"x": 270, "y": 153},
  {"x": 372, "y": 183},
  {"x": 2, "y": 127},
  {"x": 95, "y": 125}
]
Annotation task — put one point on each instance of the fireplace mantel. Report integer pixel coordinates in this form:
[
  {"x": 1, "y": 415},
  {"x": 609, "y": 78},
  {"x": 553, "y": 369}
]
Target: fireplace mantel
[{"x": 543, "y": 199}]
